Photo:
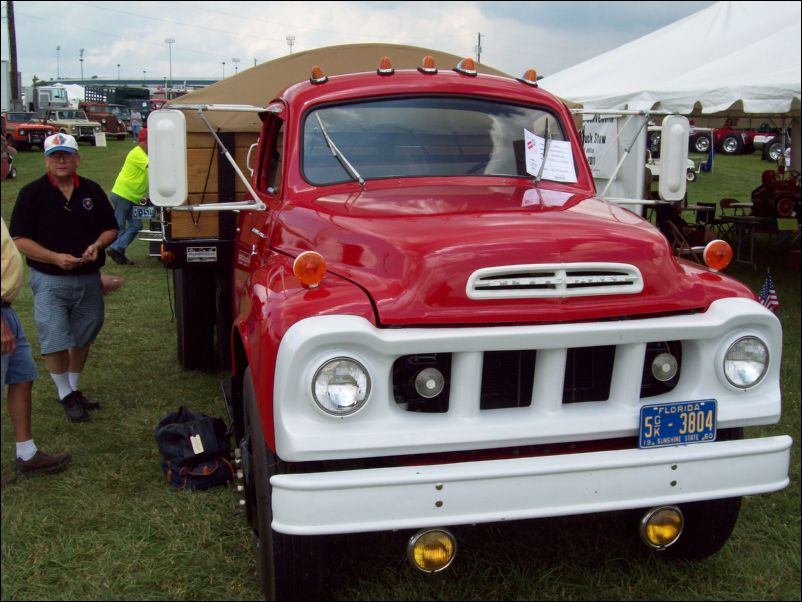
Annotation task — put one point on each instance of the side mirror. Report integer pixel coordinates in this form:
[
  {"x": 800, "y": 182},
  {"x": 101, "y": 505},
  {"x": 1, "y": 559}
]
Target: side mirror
[
  {"x": 167, "y": 158},
  {"x": 674, "y": 158}
]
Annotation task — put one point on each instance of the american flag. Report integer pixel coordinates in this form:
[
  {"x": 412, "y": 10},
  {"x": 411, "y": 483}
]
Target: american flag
[{"x": 768, "y": 294}]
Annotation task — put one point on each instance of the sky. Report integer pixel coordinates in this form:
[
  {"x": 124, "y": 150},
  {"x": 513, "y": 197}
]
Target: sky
[{"x": 129, "y": 38}]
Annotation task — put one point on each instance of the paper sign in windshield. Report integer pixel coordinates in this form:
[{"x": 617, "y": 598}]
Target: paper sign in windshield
[{"x": 559, "y": 163}]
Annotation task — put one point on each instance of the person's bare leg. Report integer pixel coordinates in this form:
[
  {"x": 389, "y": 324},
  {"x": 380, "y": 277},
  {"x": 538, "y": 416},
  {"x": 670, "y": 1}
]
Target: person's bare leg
[{"x": 19, "y": 408}]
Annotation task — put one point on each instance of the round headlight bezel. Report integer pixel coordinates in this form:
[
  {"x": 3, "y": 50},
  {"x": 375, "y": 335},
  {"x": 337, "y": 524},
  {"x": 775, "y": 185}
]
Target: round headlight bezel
[
  {"x": 729, "y": 373},
  {"x": 328, "y": 408}
]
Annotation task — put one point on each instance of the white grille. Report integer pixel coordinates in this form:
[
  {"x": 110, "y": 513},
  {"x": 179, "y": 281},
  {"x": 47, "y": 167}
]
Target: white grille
[{"x": 554, "y": 280}]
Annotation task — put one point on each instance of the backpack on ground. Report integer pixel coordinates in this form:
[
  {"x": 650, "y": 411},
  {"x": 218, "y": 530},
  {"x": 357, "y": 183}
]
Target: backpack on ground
[{"x": 195, "y": 448}]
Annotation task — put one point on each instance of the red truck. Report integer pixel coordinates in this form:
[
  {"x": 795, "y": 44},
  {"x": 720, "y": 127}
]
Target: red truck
[{"x": 428, "y": 330}]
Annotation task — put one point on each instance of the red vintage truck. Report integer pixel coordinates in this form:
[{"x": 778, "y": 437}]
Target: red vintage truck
[{"x": 428, "y": 329}]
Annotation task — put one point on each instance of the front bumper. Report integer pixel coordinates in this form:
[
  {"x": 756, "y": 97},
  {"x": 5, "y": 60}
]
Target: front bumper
[{"x": 524, "y": 488}]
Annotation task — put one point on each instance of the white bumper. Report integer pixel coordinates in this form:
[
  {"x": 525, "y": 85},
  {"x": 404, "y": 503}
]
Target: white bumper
[{"x": 498, "y": 490}]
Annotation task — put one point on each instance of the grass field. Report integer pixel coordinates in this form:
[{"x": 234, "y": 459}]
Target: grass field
[{"x": 110, "y": 528}]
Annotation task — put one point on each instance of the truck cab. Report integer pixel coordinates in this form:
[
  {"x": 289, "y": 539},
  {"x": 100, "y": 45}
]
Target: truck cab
[{"x": 435, "y": 321}]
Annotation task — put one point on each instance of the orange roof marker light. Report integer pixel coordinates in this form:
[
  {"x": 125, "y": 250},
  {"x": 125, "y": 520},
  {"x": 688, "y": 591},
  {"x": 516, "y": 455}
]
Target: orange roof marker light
[
  {"x": 717, "y": 255},
  {"x": 309, "y": 268},
  {"x": 466, "y": 66},
  {"x": 427, "y": 65},
  {"x": 318, "y": 77},
  {"x": 385, "y": 66},
  {"x": 529, "y": 78}
]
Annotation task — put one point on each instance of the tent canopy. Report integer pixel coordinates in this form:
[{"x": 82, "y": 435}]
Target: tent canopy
[
  {"x": 730, "y": 59},
  {"x": 261, "y": 84}
]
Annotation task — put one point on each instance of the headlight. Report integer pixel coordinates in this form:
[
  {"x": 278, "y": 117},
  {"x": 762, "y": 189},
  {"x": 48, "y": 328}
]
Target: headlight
[
  {"x": 103, "y": 120},
  {"x": 341, "y": 386},
  {"x": 21, "y": 132},
  {"x": 746, "y": 361}
]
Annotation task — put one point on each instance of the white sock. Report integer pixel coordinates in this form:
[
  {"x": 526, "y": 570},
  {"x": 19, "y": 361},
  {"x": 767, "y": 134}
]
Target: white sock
[
  {"x": 74, "y": 378},
  {"x": 62, "y": 384},
  {"x": 26, "y": 450}
]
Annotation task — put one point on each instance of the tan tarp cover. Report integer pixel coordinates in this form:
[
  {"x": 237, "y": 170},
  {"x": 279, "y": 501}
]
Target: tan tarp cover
[{"x": 261, "y": 84}]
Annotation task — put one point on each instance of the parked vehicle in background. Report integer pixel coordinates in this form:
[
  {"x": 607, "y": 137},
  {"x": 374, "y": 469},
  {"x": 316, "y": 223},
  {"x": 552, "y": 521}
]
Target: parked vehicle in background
[
  {"x": 734, "y": 142},
  {"x": 73, "y": 122},
  {"x": 123, "y": 113},
  {"x": 774, "y": 147},
  {"x": 41, "y": 99},
  {"x": 101, "y": 113},
  {"x": 24, "y": 129}
]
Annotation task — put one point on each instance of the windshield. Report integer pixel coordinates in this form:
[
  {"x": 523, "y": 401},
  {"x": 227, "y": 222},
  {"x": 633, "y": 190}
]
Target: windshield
[
  {"x": 411, "y": 137},
  {"x": 121, "y": 112},
  {"x": 23, "y": 118},
  {"x": 71, "y": 115}
]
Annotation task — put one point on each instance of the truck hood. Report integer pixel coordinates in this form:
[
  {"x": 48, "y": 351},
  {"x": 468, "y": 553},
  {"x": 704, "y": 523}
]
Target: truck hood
[{"x": 417, "y": 252}]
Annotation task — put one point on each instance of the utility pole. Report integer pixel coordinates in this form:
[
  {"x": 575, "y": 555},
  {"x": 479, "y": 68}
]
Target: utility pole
[
  {"x": 478, "y": 48},
  {"x": 82, "y": 66},
  {"x": 12, "y": 51},
  {"x": 58, "y": 71},
  {"x": 290, "y": 42},
  {"x": 170, "y": 42}
]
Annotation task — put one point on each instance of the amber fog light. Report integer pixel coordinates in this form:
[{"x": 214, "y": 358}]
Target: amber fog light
[
  {"x": 432, "y": 551},
  {"x": 661, "y": 527}
]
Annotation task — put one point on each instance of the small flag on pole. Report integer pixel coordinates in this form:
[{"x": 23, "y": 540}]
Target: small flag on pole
[{"x": 768, "y": 294}]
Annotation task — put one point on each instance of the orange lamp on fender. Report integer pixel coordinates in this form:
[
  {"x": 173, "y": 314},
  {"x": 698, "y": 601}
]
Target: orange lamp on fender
[
  {"x": 717, "y": 255},
  {"x": 309, "y": 268}
]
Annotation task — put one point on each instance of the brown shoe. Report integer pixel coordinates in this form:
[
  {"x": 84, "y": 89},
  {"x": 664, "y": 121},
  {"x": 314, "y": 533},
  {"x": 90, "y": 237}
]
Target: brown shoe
[{"x": 43, "y": 463}]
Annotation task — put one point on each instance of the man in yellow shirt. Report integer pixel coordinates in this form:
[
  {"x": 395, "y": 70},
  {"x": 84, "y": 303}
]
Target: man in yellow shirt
[
  {"x": 19, "y": 369},
  {"x": 130, "y": 189}
]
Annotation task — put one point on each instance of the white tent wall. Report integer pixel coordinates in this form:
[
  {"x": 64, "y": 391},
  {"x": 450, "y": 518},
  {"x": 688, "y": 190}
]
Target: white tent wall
[{"x": 733, "y": 61}]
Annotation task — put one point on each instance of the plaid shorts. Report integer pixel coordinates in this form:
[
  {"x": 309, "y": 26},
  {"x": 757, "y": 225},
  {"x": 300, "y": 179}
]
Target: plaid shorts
[
  {"x": 17, "y": 367},
  {"x": 68, "y": 310}
]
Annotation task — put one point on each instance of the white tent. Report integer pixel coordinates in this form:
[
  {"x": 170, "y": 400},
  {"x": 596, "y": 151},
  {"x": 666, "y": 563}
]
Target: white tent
[{"x": 732, "y": 57}]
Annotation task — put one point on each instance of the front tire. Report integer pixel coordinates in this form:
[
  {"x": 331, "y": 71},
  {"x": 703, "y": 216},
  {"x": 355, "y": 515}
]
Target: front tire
[{"x": 289, "y": 567}]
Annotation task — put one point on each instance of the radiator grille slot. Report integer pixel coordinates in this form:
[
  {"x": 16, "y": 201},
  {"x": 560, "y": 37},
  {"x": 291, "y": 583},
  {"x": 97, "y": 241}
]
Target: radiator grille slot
[
  {"x": 588, "y": 373},
  {"x": 507, "y": 378}
]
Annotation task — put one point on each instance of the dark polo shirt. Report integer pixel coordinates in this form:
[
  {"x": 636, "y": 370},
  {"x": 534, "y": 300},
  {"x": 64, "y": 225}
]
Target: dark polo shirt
[{"x": 45, "y": 216}]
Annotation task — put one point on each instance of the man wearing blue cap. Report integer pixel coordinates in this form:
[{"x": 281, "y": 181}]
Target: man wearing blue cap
[{"x": 61, "y": 223}]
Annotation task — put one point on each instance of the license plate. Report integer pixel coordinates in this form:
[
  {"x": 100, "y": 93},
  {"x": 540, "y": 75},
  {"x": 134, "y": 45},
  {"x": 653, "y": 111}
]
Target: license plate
[
  {"x": 677, "y": 423},
  {"x": 143, "y": 212}
]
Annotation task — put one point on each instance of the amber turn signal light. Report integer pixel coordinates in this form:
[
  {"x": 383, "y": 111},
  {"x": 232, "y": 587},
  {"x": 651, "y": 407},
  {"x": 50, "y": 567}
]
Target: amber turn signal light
[
  {"x": 717, "y": 255},
  {"x": 166, "y": 255},
  {"x": 309, "y": 268}
]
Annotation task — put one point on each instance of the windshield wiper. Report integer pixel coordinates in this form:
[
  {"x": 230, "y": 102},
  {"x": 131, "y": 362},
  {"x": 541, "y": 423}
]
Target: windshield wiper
[
  {"x": 545, "y": 154},
  {"x": 338, "y": 154}
]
